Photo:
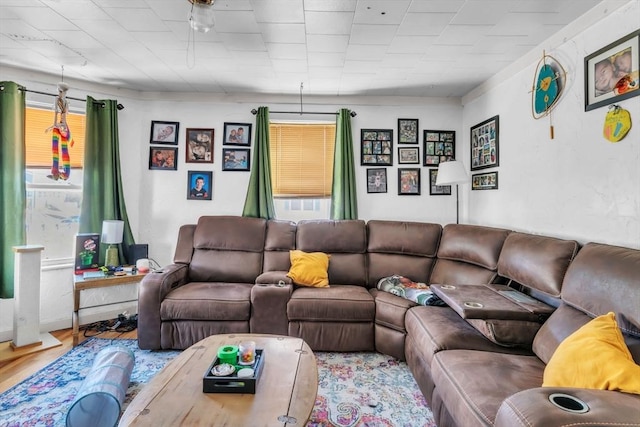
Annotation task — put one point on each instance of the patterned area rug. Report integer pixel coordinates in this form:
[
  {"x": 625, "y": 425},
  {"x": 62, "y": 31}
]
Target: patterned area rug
[{"x": 354, "y": 389}]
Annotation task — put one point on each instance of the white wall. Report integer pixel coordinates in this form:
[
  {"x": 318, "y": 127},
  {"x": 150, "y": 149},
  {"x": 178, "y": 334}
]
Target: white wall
[
  {"x": 162, "y": 200},
  {"x": 577, "y": 185}
]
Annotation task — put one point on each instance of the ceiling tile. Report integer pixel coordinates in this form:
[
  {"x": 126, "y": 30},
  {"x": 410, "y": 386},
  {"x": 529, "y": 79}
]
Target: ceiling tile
[
  {"x": 327, "y": 43},
  {"x": 424, "y": 24},
  {"x": 135, "y": 20},
  {"x": 236, "y": 22},
  {"x": 283, "y": 33},
  {"x": 287, "y": 51},
  {"x": 279, "y": 11},
  {"x": 372, "y": 34},
  {"x": 435, "y": 6},
  {"x": 328, "y": 22},
  {"x": 383, "y": 12},
  {"x": 330, "y": 5}
]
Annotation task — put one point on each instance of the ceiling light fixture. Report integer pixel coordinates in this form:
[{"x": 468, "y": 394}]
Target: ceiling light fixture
[{"x": 201, "y": 18}]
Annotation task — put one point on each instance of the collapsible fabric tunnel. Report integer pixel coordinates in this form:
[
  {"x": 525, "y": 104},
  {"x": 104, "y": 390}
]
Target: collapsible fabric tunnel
[{"x": 100, "y": 397}]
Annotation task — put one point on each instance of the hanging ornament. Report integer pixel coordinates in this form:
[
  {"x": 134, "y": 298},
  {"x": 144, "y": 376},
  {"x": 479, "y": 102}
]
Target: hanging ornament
[
  {"x": 61, "y": 139},
  {"x": 548, "y": 84},
  {"x": 616, "y": 123}
]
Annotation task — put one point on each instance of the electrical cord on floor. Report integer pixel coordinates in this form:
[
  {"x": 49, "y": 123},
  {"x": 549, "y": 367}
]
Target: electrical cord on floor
[{"x": 122, "y": 325}]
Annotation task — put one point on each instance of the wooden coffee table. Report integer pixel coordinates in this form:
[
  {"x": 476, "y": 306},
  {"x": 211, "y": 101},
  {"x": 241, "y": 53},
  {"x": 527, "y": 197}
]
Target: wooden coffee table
[{"x": 285, "y": 394}]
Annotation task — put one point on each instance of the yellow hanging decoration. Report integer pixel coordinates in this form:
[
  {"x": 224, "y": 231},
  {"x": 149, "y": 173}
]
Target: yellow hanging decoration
[{"x": 616, "y": 123}]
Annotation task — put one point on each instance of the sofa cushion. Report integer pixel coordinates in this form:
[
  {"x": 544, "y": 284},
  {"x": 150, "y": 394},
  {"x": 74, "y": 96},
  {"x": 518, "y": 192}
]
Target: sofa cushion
[
  {"x": 338, "y": 303},
  {"x": 280, "y": 239},
  {"x": 398, "y": 246},
  {"x": 391, "y": 309},
  {"x": 309, "y": 269},
  {"x": 601, "y": 278},
  {"x": 344, "y": 240},
  {"x": 595, "y": 357},
  {"x": 435, "y": 329},
  {"x": 227, "y": 249},
  {"x": 208, "y": 301},
  {"x": 468, "y": 255},
  {"x": 472, "y": 244},
  {"x": 605, "y": 278},
  {"x": 473, "y": 384},
  {"x": 537, "y": 262}
]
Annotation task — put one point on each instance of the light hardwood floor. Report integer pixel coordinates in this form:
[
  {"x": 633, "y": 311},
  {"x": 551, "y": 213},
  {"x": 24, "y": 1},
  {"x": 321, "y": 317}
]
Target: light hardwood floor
[{"x": 15, "y": 371}]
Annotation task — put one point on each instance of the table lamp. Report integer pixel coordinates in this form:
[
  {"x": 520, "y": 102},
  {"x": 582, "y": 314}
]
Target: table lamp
[
  {"x": 112, "y": 235},
  {"x": 449, "y": 173}
]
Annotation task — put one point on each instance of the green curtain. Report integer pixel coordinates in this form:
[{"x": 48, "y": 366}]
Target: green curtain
[
  {"x": 12, "y": 180},
  {"x": 343, "y": 193},
  {"x": 259, "y": 201},
  {"x": 102, "y": 192}
]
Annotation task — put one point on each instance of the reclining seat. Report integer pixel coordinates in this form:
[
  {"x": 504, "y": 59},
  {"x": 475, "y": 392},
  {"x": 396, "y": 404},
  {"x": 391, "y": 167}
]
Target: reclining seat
[
  {"x": 397, "y": 247},
  {"x": 207, "y": 289},
  {"x": 340, "y": 317},
  {"x": 467, "y": 255},
  {"x": 601, "y": 279}
]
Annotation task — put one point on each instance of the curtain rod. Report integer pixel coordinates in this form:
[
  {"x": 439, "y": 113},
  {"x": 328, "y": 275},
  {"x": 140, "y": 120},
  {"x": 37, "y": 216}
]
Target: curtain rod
[
  {"x": 351, "y": 113},
  {"x": 118, "y": 106}
]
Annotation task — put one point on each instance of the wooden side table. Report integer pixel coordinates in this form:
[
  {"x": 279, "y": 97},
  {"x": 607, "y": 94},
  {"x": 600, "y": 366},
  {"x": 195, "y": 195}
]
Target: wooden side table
[{"x": 81, "y": 284}]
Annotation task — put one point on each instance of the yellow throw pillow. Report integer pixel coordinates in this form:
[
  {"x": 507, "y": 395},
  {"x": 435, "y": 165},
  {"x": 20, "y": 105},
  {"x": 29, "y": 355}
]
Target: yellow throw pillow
[
  {"x": 596, "y": 357},
  {"x": 309, "y": 269}
]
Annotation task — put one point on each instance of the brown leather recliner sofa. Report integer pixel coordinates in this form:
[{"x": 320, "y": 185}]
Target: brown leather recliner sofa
[{"x": 229, "y": 276}]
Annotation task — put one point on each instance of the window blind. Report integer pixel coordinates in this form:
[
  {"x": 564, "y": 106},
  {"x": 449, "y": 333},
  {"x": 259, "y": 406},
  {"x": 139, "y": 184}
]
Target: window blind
[
  {"x": 301, "y": 159},
  {"x": 38, "y": 141}
]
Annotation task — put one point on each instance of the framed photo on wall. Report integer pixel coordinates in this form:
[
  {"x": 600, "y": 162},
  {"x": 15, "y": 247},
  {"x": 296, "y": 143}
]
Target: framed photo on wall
[
  {"x": 376, "y": 147},
  {"x": 199, "y": 146},
  {"x": 409, "y": 182},
  {"x": 484, "y": 181},
  {"x": 437, "y": 190},
  {"x": 438, "y": 146},
  {"x": 485, "y": 145},
  {"x": 199, "y": 185},
  {"x": 408, "y": 155},
  {"x": 235, "y": 159},
  {"x": 407, "y": 131},
  {"x": 162, "y": 158},
  {"x": 377, "y": 180},
  {"x": 237, "y": 134},
  {"x": 164, "y": 132},
  {"x": 612, "y": 73}
]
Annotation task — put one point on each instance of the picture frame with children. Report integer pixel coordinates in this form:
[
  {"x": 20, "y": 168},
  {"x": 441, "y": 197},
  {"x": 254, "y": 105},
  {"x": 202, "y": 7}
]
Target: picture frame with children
[
  {"x": 237, "y": 134},
  {"x": 612, "y": 73}
]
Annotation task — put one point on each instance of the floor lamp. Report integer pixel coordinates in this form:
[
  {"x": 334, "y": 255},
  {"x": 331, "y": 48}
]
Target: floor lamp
[{"x": 449, "y": 173}]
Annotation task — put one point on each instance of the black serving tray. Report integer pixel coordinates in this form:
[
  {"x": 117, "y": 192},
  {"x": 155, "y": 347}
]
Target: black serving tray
[{"x": 231, "y": 383}]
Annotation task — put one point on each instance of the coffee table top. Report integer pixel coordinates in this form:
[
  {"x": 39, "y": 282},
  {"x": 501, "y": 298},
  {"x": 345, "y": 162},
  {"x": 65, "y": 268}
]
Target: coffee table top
[{"x": 286, "y": 389}]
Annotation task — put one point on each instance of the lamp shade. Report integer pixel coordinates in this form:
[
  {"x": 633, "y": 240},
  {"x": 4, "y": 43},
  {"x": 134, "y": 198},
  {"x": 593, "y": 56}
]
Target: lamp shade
[
  {"x": 112, "y": 231},
  {"x": 201, "y": 18},
  {"x": 452, "y": 172}
]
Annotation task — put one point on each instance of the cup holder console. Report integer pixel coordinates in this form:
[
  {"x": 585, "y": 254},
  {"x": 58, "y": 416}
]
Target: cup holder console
[{"x": 568, "y": 403}]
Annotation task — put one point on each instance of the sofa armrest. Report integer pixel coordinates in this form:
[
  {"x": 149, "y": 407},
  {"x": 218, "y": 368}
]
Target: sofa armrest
[
  {"x": 269, "y": 309},
  {"x": 532, "y": 408},
  {"x": 153, "y": 289}
]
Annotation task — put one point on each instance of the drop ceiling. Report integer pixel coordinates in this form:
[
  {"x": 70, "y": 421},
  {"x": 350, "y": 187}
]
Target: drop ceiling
[{"x": 441, "y": 48}]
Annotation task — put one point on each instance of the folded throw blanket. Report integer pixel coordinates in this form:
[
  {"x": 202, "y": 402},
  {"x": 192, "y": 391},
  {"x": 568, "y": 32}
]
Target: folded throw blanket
[{"x": 408, "y": 289}]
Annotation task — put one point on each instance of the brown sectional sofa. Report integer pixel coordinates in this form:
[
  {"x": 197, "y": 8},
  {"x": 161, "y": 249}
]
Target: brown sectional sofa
[{"x": 229, "y": 275}]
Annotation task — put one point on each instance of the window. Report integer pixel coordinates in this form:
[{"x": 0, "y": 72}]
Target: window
[
  {"x": 302, "y": 168},
  {"x": 53, "y": 207}
]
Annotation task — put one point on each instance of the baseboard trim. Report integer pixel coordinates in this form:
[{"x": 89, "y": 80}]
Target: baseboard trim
[{"x": 89, "y": 317}]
